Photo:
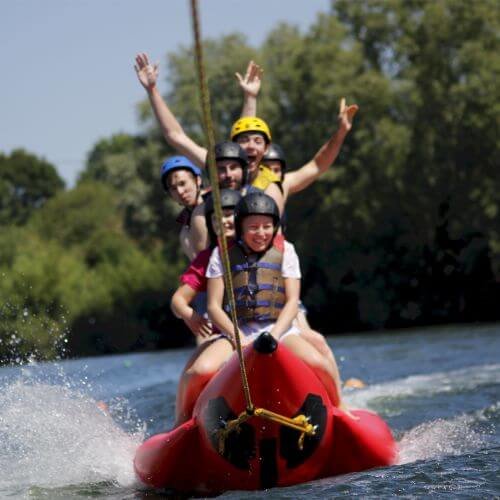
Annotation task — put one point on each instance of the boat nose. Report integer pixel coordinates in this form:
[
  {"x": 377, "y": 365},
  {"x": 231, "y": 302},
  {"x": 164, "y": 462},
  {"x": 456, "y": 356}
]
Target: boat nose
[{"x": 265, "y": 343}]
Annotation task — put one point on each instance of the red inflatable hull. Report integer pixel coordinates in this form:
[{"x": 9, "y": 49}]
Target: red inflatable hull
[{"x": 263, "y": 454}]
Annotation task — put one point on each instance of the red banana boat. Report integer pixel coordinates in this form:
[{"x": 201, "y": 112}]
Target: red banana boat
[{"x": 215, "y": 451}]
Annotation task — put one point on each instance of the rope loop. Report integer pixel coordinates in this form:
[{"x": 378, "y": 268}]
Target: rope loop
[{"x": 299, "y": 423}]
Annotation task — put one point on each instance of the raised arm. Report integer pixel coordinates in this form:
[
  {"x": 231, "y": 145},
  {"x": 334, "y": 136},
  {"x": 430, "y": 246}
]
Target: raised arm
[
  {"x": 173, "y": 133},
  {"x": 250, "y": 85},
  {"x": 303, "y": 177}
]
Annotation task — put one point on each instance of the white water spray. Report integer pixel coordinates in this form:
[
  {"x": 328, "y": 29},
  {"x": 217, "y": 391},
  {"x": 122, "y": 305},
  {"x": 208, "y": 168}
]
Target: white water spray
[
  {"x": 441, "y": 437},
  {"x": 55, "y": 436}
]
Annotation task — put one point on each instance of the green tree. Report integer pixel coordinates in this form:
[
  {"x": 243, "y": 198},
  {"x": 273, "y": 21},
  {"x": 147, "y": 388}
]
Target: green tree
[
  {"x": 131, "y": 166},
  {"x": 441, "y": 61},
  {"x": 411, "y": 207},
  {"x": 26, "y": 183},
  {"x": 74, "y": 281}
]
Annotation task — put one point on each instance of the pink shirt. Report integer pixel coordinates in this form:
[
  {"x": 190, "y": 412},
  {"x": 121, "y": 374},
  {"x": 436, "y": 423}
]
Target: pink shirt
[{"x": 194, "y": 276}]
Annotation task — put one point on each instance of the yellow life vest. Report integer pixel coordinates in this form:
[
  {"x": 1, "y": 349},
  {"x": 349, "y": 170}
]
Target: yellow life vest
[{"x": 265, "y": 177}]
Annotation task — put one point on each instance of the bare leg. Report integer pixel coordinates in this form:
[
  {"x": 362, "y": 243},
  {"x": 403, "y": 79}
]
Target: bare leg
[
  {"x": 319, "y": 343},
  {"x": 319, "y": 364},
  {"x": 204, "y": 363}
]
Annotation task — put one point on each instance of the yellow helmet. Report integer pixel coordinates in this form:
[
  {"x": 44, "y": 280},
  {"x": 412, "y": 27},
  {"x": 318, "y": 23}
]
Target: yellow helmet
[{"x": 250, "y": 124}]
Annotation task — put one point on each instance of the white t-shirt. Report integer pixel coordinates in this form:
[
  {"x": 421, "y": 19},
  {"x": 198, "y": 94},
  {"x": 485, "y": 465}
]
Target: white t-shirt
[{"x": 290, "y": 267}]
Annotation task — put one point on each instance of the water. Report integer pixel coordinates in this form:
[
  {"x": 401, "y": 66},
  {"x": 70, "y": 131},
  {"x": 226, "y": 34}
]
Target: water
[{"x": 437, "y": 388}]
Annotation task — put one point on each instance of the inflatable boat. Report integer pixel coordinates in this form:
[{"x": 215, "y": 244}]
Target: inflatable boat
[{"x": 292, "y": 434}]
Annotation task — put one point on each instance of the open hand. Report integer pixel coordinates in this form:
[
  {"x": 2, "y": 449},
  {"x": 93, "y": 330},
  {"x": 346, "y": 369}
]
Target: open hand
[
  {"x": 250, "y": 83},
  {"x": 146, "y": 72},
  {"x": 346, "y": 114}
]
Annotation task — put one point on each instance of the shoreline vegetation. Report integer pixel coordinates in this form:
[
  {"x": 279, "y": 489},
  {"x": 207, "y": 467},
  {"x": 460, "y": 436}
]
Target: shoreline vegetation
[{"x": 403, "y": 231}]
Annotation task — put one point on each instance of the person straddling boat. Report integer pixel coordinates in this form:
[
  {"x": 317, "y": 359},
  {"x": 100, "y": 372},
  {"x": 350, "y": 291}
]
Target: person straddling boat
[
  {"x": 209, "y": 356},
  {"x": 182, "y": 180},
  {"x": 266, "y": 276},
  {"x": 251, "y": 133}
]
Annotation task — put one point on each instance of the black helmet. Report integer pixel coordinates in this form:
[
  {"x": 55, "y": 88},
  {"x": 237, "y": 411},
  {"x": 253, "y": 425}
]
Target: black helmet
[
  {"x": 274, "y": 152},
  {"x": 257, "y": 203},
  {"x": 229, "y": 198},
  {"x": 228, "y": 150}
]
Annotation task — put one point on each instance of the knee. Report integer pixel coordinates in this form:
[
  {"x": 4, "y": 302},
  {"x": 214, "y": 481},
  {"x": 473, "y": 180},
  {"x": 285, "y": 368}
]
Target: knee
[
  {"x": 309, "y": 354},
  {"x": 316, "y": 361},
  {"x": 201, "y": 368},
  {"x": 317, "y": 340}
]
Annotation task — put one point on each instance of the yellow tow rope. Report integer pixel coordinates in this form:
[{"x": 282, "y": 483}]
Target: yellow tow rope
[
  {"x": 212, "y": 173},
  {"x": 301, "y": 422}
]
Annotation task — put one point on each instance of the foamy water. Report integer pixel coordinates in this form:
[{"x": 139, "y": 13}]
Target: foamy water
[
  {"x": 440, "y": 438},
  {"x": 55, "y": 436},
  {"x": 463, "y": 380}
]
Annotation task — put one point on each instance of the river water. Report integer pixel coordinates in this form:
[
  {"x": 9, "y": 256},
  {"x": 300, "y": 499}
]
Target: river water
[{"x": 438, "y": 388}]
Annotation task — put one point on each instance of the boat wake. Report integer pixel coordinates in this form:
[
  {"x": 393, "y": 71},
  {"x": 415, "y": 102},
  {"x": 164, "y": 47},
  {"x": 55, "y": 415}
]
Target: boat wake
[
  {"x": 439, "y": 438},
  {"x": 435, "y": 438},
  {"x": 54, "y": 435},
  {"x": 378, "y": 396}
]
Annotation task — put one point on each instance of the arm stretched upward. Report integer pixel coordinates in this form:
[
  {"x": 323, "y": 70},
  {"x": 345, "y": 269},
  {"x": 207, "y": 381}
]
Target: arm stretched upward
[
  {"x": 172, "y": 130},
  {"x": 303, "y": 177},
  {"x": 250, "y": 85}
]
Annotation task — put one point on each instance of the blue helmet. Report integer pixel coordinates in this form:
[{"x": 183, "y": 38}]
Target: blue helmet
[{"x": 177, "y": 163}]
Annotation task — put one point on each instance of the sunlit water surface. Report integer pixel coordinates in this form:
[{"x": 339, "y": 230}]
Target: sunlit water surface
[{"x": 437, "y": 388}]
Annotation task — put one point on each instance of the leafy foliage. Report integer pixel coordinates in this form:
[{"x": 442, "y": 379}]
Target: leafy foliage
[
  {"x": 26, "y": 183},
  {"x": 403, "y": 230}
]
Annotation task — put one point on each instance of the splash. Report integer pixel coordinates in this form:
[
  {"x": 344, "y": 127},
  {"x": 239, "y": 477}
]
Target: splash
[
  {"x": 440, "y": 437},
  {"x": 55, "y": 435},
  {"x": 27, "y": 335},
  {"x": 445, "y": 437}
]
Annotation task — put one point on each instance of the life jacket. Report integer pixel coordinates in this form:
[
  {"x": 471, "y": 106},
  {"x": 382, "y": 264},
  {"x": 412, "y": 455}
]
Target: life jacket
[
  {"x": 265, "y": 177},
  {"x": 259, "y": 287}
]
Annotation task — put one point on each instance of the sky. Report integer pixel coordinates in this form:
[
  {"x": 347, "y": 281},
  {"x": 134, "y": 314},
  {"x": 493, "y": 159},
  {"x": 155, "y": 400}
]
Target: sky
[{"x": 67, "y": 76}]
